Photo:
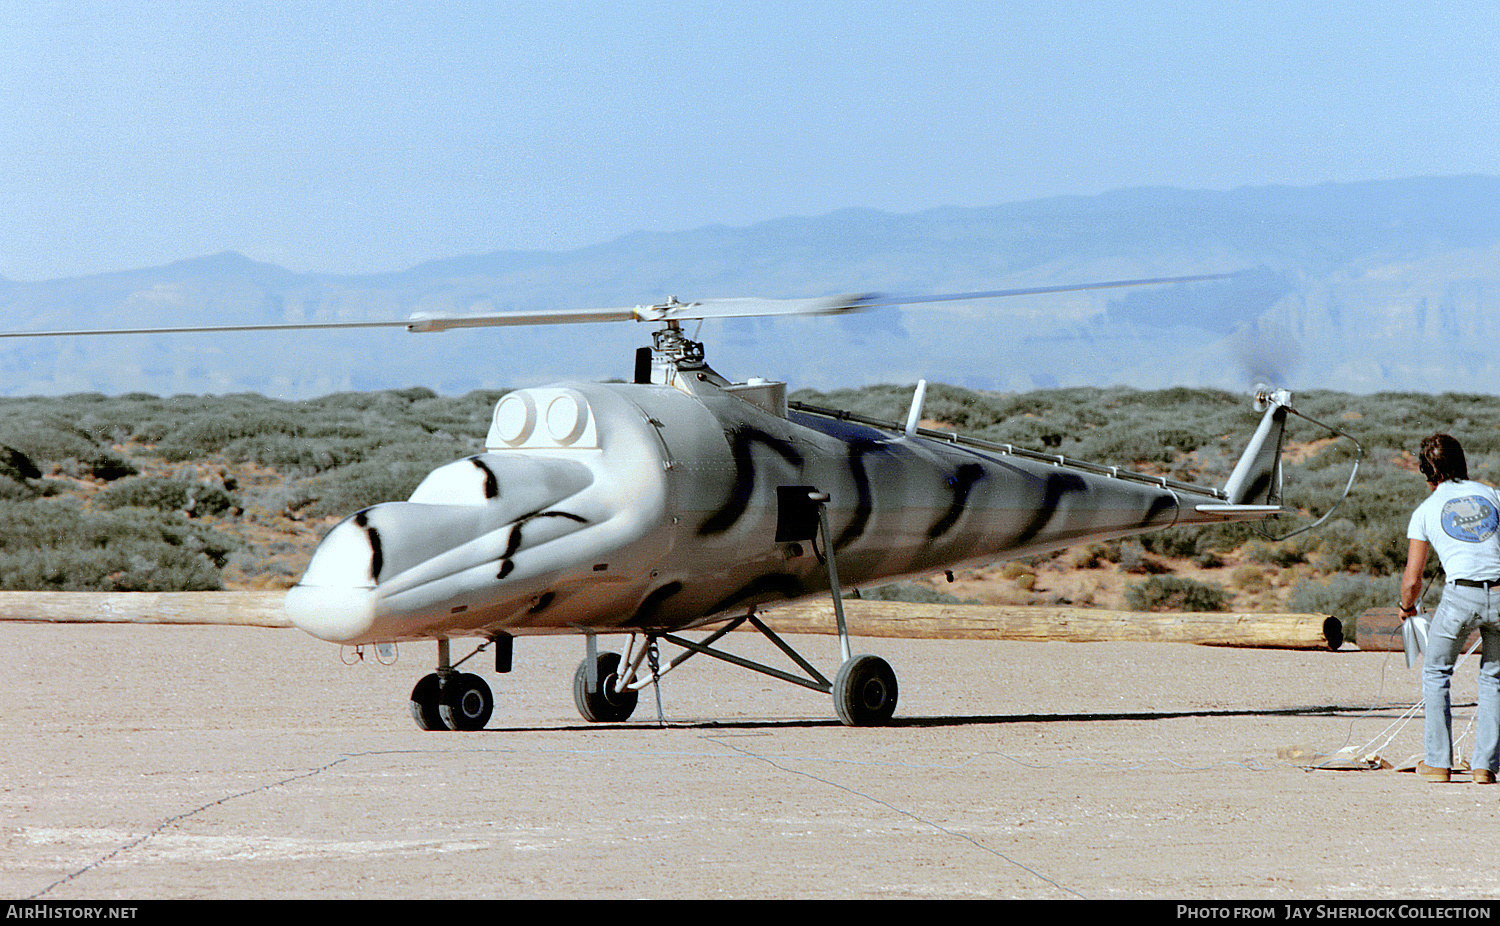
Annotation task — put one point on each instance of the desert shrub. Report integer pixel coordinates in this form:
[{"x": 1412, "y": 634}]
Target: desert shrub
[
  {"x": 1133, "y": 559},
  {"x": 220, "y": 424},
  {"x": 159, "y": 570},
  {"x": 1180, "y": 440},
  {"x": 1014, "y": 570},
  {"x": 99, "y": 464},
  {"x": 1377, "y": 549},
  {"x": 1226, "y": 538},
  {"x": 1173, "y": 541},
  {"x": 38, "y": 440},
  {"x": 1052, "y": 419},
  {"x": 1022, "y": 575},
  {"x": 43, "y": 436},
  {"x": 1030, "y": 433},
  {"x": 1091, "y": 556},
  {"x": 1174, "y": 593},
  {"x": 964, "y": 409},
  {"x": 467, "y": 415},
  {"x": 908, "y": 591},
  {"x": 13, "y": 490},
  {"x": 1118, "y": 425},
  {"x": 17, "y": 466},
  {"x": 1341, "y": 453},
  {"x": 298, "y": 455},
  {"x": 1282, "y": 553},
  {"x": 59, "y": 545},
  {"x": 1248, "y": 578},
  {"x": 1124, "y": 445},
  {"x": 165, "y": 494},
  {"x": 1381, "y": 490},
  {"x": 346, "y": 490},
  {"x": 1344, "y": 597},
  {"x": 887, "y": 402}
]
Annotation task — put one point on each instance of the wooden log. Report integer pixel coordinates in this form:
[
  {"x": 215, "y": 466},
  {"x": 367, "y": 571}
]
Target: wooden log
[
  {"x": 1077, "y": 625},
  {"x": 865, "y": 618},
  {"x": 243, "y": 609},
  {"x": 1379, "y": 630}
]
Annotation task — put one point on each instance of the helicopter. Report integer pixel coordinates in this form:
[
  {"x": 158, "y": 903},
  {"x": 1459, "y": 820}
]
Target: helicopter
[{"x": 683, "y": 500}]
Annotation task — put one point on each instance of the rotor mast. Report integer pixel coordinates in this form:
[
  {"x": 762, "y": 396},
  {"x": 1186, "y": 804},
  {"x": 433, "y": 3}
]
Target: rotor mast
[{"x": 674, "y": 353}]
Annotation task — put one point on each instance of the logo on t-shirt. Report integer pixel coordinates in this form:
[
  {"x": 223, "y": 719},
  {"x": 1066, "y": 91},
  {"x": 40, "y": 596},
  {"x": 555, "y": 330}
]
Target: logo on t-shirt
[{"x": 1470, "y": 519}]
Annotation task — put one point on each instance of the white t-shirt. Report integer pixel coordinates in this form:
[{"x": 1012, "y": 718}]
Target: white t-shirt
[{"x": 1461, "y": 520}]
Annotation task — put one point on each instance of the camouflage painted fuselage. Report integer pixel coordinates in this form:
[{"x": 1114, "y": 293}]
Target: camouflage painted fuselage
[{"x": 612, "y": 507}]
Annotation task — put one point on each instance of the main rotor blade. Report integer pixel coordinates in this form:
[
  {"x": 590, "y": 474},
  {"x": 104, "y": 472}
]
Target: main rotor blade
[
  {"x": 761, "y": 308},
  {"x": 434, "y": 321},
  {"x": 419, "y": 321},
  {"x": 669, "y": 311},
  {"x": 309, "y": 326},
  {"x": 877, "y": 301}
]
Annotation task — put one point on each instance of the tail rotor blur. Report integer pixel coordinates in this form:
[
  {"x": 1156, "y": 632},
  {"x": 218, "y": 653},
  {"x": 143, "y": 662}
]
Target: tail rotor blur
[{"x": 1267, "y": 353}]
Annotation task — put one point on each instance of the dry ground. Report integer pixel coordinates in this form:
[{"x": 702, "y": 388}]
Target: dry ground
[{"x": 148, "y": 762}]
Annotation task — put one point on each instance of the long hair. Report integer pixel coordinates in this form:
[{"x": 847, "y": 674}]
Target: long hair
[{"x": 1442, "y": 459}]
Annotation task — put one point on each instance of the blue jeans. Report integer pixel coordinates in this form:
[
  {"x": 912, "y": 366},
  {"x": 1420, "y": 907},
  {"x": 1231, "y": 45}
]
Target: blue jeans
[{"x": 1458, "y": 614}]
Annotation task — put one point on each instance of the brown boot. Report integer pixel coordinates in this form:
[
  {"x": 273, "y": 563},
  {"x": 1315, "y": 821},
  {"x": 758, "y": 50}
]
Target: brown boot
[
  {"x": 1433, "y": 774},
  {"x": 1483, "y": 776}
]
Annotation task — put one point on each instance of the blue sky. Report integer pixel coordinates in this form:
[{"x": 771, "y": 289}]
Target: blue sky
[{"x": 362, "y": 137}]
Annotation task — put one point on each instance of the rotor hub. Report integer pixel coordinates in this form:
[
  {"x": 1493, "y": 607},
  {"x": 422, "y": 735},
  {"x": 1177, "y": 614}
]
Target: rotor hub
[{"x": 675, "y": 348}]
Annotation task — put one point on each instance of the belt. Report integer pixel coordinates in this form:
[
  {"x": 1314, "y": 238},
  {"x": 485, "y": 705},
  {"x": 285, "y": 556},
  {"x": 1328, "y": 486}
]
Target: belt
[{"x": 1478, "y": 583}]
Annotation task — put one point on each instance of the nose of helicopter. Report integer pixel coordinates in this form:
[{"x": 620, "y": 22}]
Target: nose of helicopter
[
  {"x": 388, "y": 571},
  {"x": 335, "y": 601},
  {"x": 338, "y": 615}
]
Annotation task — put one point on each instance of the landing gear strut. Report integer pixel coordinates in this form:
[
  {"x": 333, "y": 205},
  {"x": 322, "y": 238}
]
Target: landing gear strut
[{"x": 864, "y": 690}]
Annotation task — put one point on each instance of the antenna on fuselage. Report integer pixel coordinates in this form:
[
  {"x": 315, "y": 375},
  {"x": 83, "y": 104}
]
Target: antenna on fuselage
[{"x": 914, "y": 416}]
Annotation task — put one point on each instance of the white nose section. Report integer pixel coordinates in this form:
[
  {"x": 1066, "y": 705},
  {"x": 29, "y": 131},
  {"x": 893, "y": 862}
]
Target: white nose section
[
  {"x": 459, "y": 532},
  {"x": 335, "y": 600},
  {"x": 338, "y": 615}
]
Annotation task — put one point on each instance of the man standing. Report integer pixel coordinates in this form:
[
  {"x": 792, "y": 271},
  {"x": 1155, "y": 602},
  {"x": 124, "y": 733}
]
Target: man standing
[{"x": 1460, "y": 520}]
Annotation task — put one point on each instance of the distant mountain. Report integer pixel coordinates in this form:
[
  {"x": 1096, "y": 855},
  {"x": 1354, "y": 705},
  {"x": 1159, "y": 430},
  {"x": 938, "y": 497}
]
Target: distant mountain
[{"x": 1362, "y": 287}]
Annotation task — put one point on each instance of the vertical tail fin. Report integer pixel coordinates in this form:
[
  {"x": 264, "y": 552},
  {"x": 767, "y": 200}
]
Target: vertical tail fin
[{"x": 1256, "y": 479}]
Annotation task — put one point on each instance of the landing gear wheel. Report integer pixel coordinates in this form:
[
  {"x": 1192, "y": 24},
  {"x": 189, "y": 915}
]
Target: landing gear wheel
[
  {"x": 604, "y": 705},
  {"x": 466, "y": 702},
  {"x": 424, "y": 703},
  {"x": 864, "y": 692}
]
